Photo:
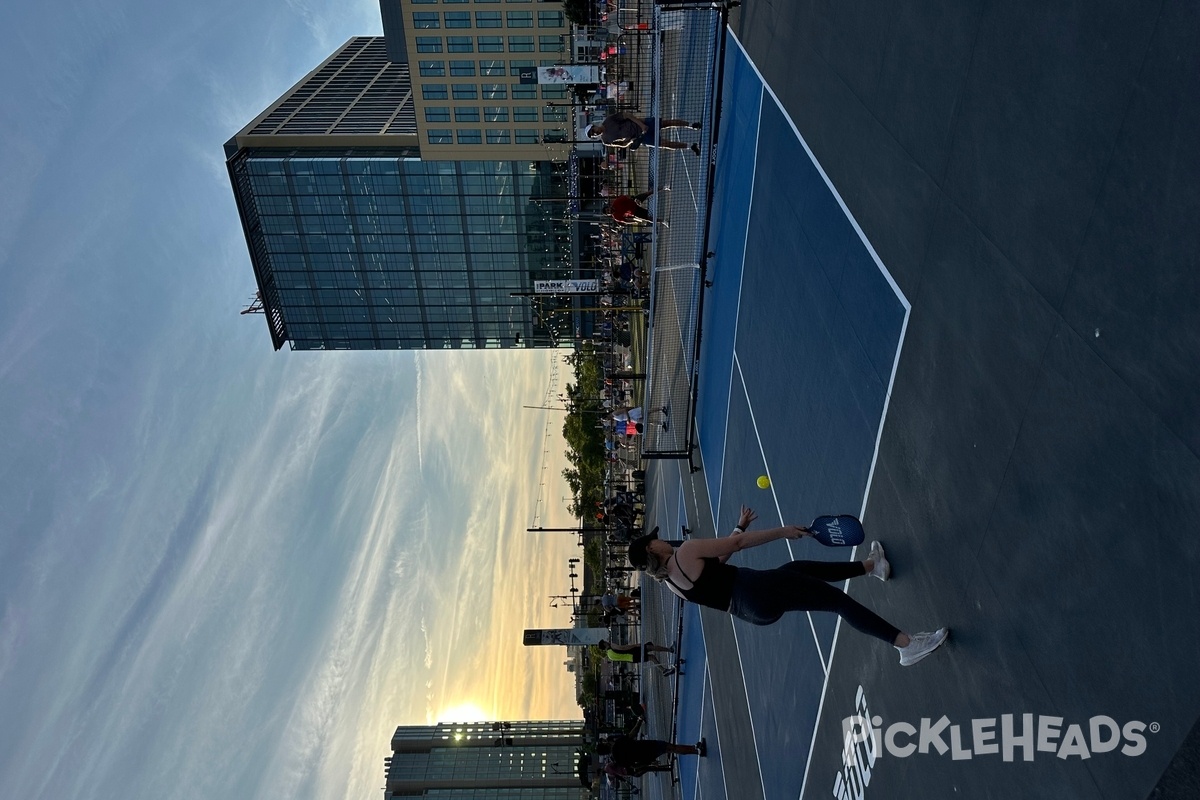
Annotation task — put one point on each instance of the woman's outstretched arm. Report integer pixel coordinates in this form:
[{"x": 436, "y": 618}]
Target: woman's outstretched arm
[
  {"x": 744, "y": 519},
  {"x": 691, "y": 553}
]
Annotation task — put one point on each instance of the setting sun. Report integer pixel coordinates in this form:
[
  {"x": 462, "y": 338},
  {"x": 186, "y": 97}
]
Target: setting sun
[{"x": 464, "y": 712}]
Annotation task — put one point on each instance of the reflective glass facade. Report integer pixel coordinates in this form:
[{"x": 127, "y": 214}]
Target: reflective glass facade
[
  {"x": 380, "y": 250},
  {"x": 486, "y": 761}
]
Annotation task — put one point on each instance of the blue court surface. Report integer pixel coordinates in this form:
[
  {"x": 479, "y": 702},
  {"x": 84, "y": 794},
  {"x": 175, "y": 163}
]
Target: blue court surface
[
  {"x": 802, "y": 333},
  {"x": 953, "y": 292},
  {"x": 1006, "y": 395}
]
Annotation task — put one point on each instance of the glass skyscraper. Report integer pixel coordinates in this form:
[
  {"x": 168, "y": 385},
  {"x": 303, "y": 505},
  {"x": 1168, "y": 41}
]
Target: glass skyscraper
[
  {"x": 358, "y": 243},
  {"x": 486, "y": 761}
]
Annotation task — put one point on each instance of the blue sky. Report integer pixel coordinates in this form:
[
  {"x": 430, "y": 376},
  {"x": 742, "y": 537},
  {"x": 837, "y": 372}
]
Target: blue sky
[{"x": 225, "y": 571}]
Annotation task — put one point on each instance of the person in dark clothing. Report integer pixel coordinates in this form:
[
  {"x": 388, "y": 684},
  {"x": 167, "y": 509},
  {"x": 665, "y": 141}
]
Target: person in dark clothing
[
  {"x": 697, "y": 572},
  {"x": 629, "y": 757},
  {"x": 626, "y": 130}
]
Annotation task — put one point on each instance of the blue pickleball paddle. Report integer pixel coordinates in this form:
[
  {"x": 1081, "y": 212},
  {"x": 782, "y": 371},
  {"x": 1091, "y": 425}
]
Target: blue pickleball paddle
[{"x": 841, "y": 530}]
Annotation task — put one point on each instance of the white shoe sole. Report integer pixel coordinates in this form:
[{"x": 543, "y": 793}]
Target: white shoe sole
[
  {"x": 881, "y": 573},
  {"x": 942, "y": 635}
]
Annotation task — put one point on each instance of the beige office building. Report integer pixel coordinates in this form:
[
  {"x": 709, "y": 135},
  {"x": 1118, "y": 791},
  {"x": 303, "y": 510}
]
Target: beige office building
[{"x": 466, "y": 60}]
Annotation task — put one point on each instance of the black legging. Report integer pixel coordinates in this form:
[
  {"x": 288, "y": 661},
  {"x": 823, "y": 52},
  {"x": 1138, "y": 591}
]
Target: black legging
[{"x": 761, "y": 597}]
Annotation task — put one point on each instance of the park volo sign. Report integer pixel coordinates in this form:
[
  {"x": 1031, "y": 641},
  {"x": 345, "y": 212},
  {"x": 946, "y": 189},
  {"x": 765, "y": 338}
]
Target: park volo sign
[{"x": 865, "y": 740}]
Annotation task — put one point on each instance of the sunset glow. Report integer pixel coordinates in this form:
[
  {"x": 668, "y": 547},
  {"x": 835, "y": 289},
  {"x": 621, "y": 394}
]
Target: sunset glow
[{"x": 464, "y": 712}]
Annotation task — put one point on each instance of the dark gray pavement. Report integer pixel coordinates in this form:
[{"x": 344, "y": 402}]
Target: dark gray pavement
[{"x": 1028, "y": 174}]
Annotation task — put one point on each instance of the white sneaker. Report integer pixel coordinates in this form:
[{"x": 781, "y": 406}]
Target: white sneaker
[
  {"x": 921, "y": 645},
  {"x": 882, "y": 569}
]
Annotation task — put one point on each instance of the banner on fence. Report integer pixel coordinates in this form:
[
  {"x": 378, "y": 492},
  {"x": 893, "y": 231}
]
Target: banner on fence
[
  {"x": 578, "y": 286},
  {"x": 569, "y": 73}
]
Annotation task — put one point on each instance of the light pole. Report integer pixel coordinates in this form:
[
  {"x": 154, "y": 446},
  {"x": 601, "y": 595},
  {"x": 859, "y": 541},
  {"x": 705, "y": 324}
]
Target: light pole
[{"x": 572, "y": 563}]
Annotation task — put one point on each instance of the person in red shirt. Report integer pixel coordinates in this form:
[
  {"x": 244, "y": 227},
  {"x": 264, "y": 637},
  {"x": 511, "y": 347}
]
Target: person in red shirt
[{"x": 629, "y": 210}]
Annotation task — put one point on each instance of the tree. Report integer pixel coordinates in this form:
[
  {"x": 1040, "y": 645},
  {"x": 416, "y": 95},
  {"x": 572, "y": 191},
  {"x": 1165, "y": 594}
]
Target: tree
[{"x": 585, "y": 441}]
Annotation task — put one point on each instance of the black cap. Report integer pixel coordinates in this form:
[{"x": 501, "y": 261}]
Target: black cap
[{"x": 638, "y": 557}]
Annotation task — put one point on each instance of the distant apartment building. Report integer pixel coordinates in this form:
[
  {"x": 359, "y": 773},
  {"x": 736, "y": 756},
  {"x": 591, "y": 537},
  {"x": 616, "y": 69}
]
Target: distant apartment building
[
  {"x": 472, "y": 64},
  {"x": 485, "y": 761}
]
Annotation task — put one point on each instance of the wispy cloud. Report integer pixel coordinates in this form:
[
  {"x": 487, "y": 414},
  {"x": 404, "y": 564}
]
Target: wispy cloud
[
  {"x": 212, "y": 554},
  {"x": 453, "y": 621},
  {"x": 322, "y": 19}
]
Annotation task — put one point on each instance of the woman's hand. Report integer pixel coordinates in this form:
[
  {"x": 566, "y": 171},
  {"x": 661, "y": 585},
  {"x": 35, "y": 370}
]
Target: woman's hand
[
  {"x": 746, "y": 517},
  {"x": 795, "y": 532}
]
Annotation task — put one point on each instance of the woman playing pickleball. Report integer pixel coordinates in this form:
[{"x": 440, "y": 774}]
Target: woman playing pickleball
[{"x": 697, "y": 571}]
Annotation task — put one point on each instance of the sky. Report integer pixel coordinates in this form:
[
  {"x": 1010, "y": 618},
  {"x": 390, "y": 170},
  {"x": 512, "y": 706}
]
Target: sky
[{"x": 226, "y": 571}]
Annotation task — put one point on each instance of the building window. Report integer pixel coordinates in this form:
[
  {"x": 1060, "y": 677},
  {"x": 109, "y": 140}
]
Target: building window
[
  {"x": 457, "y": 19},
  {"x": 550, "y": 44},
  {"x": 524, "y": 91},
  {"x": 468, "y": 136},
  {"x": 519, "y": 19},
  {"x": 462, "y": 69},
  {"x": 554, "y": 114},
  {"x": 525, "y": 136},
  {"x": 433, "y": 91},
  {"x": 525, "y": 114},
  {"x": 550, "y": 19},
  {"x": 429, "y": 44},
  {"x": 554, "y": 92},
  {"x": 495, "y": 91},
  {"x": 491, "y": 44},
  {"x": 439, "y": 136},
  {"x": 466, "y": 114},
  {"x": 497, "y": 136},
  {"x": 437, "y": 114},
  {"x": 495, "y": 113},
  {"x": 426, "y": 19},
  {"x": 487, "y": 19},
  {"x": 465, "y": 91},
  {"x": 520, "y": 44},
  {"x": 450, "y": 2},
  {"x": 422, "y": 2},
  {"x": 554, "y": 135},
  {"x": 492, "y": 67},
  {"x": 460, "y": 44},
  {"x": 432, "y": 69}
]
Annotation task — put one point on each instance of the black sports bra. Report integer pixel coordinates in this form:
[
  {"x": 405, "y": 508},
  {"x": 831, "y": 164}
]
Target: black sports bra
[{"x": 713, "y": 587}]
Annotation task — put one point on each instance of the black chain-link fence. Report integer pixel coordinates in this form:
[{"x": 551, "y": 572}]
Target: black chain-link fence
[{"x": 688, "y": 50}]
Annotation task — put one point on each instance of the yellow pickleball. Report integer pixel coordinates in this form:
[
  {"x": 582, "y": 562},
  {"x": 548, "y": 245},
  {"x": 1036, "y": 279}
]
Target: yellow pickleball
[{"x": 764, "y": 482}]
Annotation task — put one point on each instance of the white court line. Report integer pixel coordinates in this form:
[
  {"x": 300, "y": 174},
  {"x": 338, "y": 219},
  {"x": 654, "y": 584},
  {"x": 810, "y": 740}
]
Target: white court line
[
  {"x": 703, "y": 689},
  {"x": 749, "y": 709},
  {"x": 750, "y": 407},
  {"x": 891, "y": 379},
  {"x": 737, "y": 316},
  {"x": 742, "y": 671},
  {"x": 682, "y": 507},
  {"x": 661, "y": 491},
  {"x": 714, "y": 507}
]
